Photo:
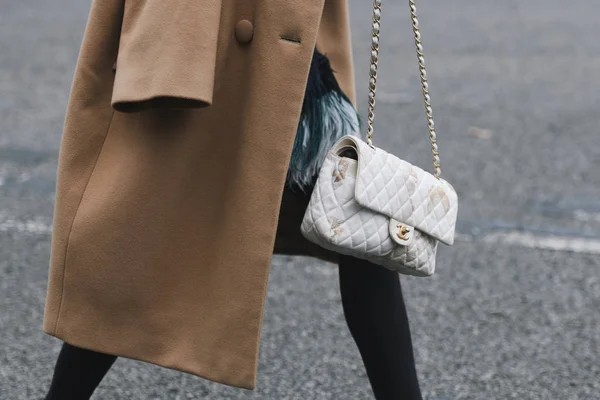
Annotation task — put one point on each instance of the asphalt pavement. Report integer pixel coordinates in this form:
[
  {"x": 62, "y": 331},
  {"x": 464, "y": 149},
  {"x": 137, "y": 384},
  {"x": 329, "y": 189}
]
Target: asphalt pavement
[{"x": 513, "y": 310}]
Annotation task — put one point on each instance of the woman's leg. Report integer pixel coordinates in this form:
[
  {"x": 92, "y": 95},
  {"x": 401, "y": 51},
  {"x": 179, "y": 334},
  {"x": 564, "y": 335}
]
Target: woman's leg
[
  {"x": 77, "y": 373},
  {"x": 376, "y": 315}
]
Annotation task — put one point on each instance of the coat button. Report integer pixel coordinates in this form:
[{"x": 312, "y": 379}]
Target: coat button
[{"x": 244, "y": 30}]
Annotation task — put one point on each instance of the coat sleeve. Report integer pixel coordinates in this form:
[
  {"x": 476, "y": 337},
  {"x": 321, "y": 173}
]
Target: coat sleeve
[{"x": 167, "y": 54}]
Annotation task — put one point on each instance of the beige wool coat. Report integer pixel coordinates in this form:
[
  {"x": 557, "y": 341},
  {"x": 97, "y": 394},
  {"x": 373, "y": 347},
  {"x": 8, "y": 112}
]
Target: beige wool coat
[{"x": 171, "y": 174}]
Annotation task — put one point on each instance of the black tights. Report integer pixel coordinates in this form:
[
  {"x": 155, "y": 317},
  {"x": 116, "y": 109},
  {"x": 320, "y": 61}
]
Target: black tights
[
  {"x": 77, "y": 373},
  {"x": 375, "y": 313}
]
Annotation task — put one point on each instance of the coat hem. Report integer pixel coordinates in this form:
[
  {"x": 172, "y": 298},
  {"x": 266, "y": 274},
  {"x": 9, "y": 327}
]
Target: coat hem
[{"x": 199, "y": 374}]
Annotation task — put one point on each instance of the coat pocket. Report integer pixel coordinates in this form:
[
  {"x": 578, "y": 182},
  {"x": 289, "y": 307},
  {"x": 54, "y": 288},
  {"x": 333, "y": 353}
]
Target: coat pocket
[{"x": 167, "y": 54}]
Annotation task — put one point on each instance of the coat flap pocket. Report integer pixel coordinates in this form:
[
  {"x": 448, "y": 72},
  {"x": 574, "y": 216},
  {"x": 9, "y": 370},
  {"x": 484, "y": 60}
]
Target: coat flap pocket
[{"x": 167, "y": 54}]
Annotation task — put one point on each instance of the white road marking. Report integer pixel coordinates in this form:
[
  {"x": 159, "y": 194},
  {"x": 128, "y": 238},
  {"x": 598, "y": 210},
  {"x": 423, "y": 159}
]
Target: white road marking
[
  {"x": 40, "y": 226},
  {"x": 36, "y": 225},
  {"x": 556, "y": 243}
]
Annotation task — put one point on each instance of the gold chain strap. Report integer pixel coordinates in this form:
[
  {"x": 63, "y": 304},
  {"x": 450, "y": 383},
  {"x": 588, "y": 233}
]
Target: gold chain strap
[
  {"x": 373, "y": 68},
  {"x": 425, "y": 86}
]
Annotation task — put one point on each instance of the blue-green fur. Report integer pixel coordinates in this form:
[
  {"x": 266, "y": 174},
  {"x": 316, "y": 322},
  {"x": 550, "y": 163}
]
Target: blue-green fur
[{"x": 327, "y": 114}]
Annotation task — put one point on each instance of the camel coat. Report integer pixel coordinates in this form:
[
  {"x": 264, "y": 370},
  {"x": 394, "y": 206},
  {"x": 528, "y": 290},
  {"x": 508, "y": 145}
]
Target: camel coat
[{"x": 171, "y": 173}]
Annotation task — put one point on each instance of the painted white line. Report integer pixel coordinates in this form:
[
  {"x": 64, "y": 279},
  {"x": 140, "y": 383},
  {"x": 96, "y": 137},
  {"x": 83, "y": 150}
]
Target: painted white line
[
  {"x": 40, "y": 226},
  {"x": 556, "y": 243},
  {"x": 37, "y": 225}
]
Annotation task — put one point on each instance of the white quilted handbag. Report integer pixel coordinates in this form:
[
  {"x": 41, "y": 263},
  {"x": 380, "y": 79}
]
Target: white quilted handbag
[{"x": 372, "y": 205}]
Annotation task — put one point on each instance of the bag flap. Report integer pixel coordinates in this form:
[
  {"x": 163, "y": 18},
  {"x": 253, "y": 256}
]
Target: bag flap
[{"x": 404, "y": 192}]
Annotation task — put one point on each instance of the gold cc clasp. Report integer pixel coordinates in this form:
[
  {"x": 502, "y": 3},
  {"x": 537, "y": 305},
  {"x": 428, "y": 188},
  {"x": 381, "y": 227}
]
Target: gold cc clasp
[{"x": 403, "y": 231}]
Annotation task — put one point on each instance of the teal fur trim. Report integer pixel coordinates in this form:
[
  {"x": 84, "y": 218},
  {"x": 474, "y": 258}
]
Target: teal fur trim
[{"x": 327, "y": 115}]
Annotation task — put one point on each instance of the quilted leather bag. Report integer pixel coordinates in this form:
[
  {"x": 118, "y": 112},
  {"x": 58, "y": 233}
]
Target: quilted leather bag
[{"x": 370, "y": 204}]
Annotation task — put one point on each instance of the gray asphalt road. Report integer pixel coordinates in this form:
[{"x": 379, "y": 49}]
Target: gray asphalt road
[{"x": 513, "y": 309}]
